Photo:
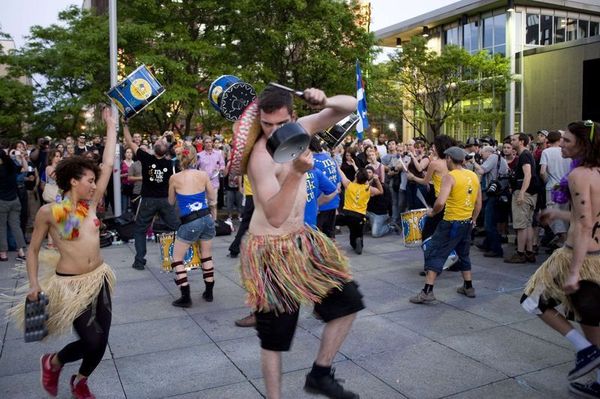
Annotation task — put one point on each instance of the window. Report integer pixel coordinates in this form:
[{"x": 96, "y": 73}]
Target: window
[
  {"x": 532, "y": 29},
  {"x": 582, "y": 30},
  {"x": 451, "y": 36},
  {"x": 560, "y": 26},
  {"x": 488, "y": 33},
  {"x": 571, "y": 29},
  {"x": 470, "y": 37},
  {"x": 594, "y": 28},
  {"x": 500, "y": 34},
  {"x": 546, "y": 30}
]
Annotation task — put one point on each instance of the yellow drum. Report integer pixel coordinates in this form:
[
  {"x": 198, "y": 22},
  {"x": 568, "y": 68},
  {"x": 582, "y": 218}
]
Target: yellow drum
[
  {"x": 191, "y": 259},
  {"x": 412, "y": 226}
]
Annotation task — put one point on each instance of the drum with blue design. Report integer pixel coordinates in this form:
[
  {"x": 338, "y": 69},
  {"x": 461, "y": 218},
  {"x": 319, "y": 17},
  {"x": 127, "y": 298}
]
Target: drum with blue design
[
  {"x": 136, "y": 92},
  {"x": 412, "y": 226},
  {"x": 191, "y": 259},
  {"x": 230, "y": 96}
]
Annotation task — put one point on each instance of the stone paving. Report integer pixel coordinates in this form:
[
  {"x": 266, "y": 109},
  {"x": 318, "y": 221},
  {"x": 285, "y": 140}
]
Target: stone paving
[{"x": 486, "y": 347}]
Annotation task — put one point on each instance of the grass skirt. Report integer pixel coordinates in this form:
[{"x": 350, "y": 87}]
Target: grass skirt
[
  {"x": 280, "y": 272},
  {"x": 548, "y": 280},
  {"x": 68, "y": 296}
]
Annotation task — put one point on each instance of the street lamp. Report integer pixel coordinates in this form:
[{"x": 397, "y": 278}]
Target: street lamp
[{"x": 392, "y": 127}]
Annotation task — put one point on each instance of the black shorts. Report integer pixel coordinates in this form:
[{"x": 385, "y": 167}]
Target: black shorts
[
  {"x": 326, "y": 222},
  {"x": 276, "y": 331}
]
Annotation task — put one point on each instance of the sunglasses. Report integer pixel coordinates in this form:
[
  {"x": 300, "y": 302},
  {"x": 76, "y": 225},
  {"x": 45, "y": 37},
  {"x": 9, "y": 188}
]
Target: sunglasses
[{"x": 589, "y": 123}]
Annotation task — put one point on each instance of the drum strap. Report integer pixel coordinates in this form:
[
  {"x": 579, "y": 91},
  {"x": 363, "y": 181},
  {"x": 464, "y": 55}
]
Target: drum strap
[{"x": 207, "y": 273}]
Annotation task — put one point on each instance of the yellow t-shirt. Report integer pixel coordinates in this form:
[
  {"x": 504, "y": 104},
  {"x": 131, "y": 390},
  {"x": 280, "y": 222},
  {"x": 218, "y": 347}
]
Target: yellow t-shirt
[
  {"x": 247, "y": 186},
  {"x": 463, "y": 196},
  {"x": 357, "y": 197}
]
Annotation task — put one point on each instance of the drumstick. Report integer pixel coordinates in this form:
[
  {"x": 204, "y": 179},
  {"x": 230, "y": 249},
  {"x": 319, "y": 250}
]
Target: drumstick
[{"x": 294, "y": 92}]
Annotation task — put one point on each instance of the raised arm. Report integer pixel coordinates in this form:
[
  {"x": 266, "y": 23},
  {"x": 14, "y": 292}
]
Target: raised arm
[
  {"x": 128, "y": 139},
  {"x": 108, "y": 158},
  {"x": 334, "y": 109}
]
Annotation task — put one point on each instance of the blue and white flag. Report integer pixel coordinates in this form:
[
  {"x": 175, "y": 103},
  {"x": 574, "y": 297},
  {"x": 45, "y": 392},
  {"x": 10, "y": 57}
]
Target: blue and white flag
[{"x": 363, "y": 121}]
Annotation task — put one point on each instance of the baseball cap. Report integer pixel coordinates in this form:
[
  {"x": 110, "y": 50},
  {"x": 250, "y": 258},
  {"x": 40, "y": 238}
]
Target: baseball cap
[
  {"x": 472, "y": 141},
  {"x": 456, "y": 153},
  {"x": 543, "y": 131}
]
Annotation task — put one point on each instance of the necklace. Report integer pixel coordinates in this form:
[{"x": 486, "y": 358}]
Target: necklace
[{"x": 69, "y": 217}]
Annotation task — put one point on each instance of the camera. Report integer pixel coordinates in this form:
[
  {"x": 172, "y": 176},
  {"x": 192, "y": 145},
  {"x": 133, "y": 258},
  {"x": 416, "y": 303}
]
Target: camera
[{"x": 470, "y": 156}]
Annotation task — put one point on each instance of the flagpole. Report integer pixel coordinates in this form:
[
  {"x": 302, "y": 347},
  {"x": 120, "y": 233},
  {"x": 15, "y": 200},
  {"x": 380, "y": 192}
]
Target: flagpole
[{"x": 112, "y": 32}]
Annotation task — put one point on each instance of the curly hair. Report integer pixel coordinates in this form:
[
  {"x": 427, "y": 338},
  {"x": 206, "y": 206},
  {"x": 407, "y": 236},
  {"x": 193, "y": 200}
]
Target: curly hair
[
  {"x": 588, "y": 141},
  {"x": 187, "y": 156},
  {"x": 74, "y": 168}
]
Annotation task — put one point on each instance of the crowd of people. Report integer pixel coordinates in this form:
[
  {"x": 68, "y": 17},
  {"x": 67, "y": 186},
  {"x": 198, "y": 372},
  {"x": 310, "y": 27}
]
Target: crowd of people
[{"x": 544, "y": 186}]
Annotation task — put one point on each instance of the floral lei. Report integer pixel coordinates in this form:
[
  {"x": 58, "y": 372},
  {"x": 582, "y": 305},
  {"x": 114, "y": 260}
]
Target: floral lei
[
  {"x": 69, "y": 219},
  {"x": 560, "y": 191}
]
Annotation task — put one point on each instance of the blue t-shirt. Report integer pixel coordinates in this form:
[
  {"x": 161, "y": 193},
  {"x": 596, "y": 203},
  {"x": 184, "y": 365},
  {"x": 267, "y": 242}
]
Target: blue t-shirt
[
  {"x": 316, "y": 184},
  {"x": 328, "y": 166}
]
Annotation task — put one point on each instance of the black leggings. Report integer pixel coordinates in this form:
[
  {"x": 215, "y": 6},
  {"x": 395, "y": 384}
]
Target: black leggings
[{"x": 92, "y": 328}]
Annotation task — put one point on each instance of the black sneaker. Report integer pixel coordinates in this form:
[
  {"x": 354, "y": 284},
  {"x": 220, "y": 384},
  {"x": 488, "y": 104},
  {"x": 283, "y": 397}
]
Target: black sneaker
[
  {"x": 587, "y": 360},
  {"x": 233, "y": 254},
  {"x": 138, "y": 266},
  {"x": 589, "y": 390},
  {"x": 329, "y": 386},
  {"x": 359, "y": 245}
]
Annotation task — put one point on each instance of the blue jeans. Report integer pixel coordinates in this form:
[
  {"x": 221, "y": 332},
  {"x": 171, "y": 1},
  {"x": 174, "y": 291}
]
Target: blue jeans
[
  {"x": 148, "y": 208},
  {"x": 448, "y": 236},
  {"x": 493, "y": 241},
  {"x": 379, "y": 224}
]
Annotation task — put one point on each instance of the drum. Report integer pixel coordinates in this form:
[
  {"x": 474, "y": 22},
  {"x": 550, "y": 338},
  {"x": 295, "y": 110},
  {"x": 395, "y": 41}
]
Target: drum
[
  {"x": 450, "y": 261},
  {"x": 412, "y": 226},
  {"x": 338, "y": 132},
  {"x": 191, "y": 260},
  {"x": 287, "y": 142},
  {"x": 136, "y": 92},
  {"x": 230, "y": 96}
]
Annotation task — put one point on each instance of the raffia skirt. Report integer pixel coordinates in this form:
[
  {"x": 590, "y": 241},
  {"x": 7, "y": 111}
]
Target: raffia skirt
[
  {"x": 281, "y": 272},
  {"x": 546, "y": 285},
  {"x": 68, "y": 296}
]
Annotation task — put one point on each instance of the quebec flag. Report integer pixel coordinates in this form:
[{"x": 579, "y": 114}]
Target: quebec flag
[{"x": 363, "y": 121}]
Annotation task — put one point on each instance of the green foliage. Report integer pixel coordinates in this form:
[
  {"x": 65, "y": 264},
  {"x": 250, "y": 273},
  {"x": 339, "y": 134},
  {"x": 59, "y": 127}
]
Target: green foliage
[
  {"x": 433, "y": 86},
  {"x": 189, "y": 43}
]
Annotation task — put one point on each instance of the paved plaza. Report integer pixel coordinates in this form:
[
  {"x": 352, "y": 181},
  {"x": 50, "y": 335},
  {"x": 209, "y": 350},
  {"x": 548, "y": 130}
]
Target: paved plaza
[{"x": 486, "y": 347}]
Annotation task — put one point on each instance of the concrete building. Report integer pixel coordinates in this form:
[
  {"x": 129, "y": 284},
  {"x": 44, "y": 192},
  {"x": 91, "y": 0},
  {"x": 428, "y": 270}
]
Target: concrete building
[{"x": 553, "y": 46}]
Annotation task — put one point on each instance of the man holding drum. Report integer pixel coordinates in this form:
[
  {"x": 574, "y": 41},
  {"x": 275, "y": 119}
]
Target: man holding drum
[
  {"x": 461, "y": 195},
  {"x": 285, "y": 262}
]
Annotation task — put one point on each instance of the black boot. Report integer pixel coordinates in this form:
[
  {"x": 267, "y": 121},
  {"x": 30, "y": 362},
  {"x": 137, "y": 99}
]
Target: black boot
[
  {"x": 208, "y": 292},
  {"x": 185, "y": 301}
]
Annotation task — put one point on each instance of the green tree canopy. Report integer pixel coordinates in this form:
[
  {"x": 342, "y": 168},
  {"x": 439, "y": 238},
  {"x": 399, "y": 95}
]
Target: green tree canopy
[
  {"x": 189, "y": 43},
  {"x": 432, "y": 85}
]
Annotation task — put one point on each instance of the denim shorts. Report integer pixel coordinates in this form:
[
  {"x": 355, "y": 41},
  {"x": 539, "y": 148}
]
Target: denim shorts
[
  {"x": 202, "y": 229},
  {"x": 448, "y": 236}
]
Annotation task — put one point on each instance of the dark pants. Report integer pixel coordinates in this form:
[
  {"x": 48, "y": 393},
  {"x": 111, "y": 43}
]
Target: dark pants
[
  {"x": 493, "y": 241},
  {"x": 234, "y": 248},
  {"x": 413, "y": 200},
  {"x": 23, "y": 199},
  {"x": 326, "y": 222},
  {"x": 93, "y": 327},
  {"x": 148, "y": 208},
  {"x": 355, "y": 222},
  {"x": 448, "y": 236}
]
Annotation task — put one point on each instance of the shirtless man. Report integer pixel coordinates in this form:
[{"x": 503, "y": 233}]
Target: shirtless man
[
  {"x": 279, "y": 199},
  {"x": 79, "y": 290},
  {"x": 571, "y": 275}
]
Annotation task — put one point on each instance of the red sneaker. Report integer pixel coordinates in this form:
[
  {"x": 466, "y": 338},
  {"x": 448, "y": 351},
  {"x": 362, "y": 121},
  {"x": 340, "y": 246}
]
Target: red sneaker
[
  {"x": 81, "y": 389},
  {"x": 49, "y": 376}
]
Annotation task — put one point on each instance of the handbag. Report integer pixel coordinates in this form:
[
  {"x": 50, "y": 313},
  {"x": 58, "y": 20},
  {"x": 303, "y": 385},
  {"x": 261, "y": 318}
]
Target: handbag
[{"x": 50, "y": 192}]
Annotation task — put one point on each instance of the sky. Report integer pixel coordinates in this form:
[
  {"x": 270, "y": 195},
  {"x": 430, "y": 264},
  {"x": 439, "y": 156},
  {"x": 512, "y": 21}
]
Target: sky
[{"x": 17, "y": 16}]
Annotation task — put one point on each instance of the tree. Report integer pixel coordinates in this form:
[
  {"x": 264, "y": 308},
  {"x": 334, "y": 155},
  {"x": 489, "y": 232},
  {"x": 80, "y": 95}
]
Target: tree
[
  {"x": 433, "y": 86},
  {"x": 16, "y": 99},
  {"x": 189, "y": 43}
]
